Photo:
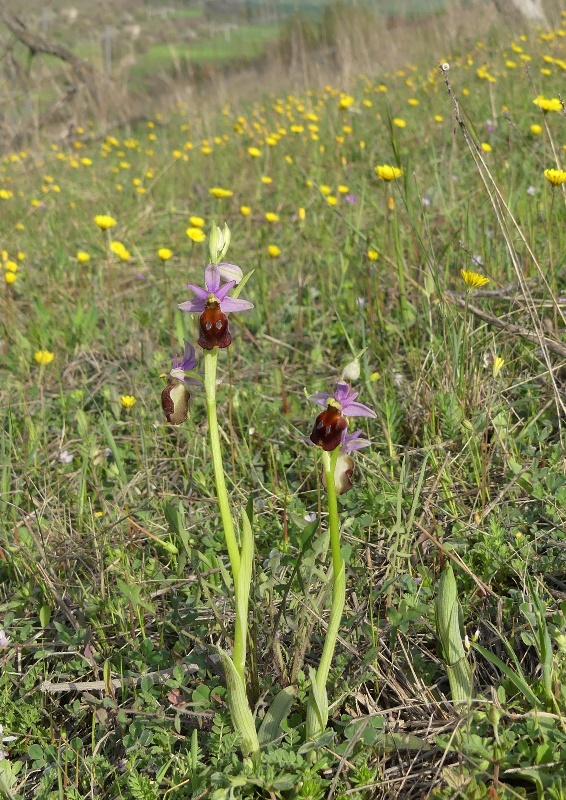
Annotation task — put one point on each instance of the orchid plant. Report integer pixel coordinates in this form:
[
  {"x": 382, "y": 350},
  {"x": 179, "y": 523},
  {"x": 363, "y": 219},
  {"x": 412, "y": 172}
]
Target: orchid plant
[{"x": 213, "y": 302}]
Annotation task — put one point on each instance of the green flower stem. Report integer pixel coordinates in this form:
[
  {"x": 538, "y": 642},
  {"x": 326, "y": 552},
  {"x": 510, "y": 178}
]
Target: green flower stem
[
  {"x": 317, "y": 710},
  {"x": 210, "y": 361}
]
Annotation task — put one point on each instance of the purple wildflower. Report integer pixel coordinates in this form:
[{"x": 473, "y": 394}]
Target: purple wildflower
[
  {"x": 214, "y": 294},
  {"x": 352, "y": 199},
  {"x": 344, "y": 400}
]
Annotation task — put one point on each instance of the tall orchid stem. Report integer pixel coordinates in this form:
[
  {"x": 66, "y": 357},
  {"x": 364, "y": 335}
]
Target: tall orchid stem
[
  {"x": 210, "y": 362},
  {"x": 317, "y": 710}
]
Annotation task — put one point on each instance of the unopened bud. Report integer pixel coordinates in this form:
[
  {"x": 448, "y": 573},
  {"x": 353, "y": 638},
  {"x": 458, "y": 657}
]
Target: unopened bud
[
  {"x": 351, "y": 371},
  {"x": 219, "y": 242}
]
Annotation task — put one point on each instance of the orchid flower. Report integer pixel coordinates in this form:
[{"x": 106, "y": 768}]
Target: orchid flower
[
  {"x": 213, "y": 304},
  {"x": 175, "y": 397}
]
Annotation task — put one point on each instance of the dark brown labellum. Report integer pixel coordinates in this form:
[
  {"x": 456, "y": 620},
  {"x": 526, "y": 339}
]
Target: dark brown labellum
[
  {"x": 214, "y": 328},
  {"x": 175, "y": 401},
  {"x": 328, "y": 429}
]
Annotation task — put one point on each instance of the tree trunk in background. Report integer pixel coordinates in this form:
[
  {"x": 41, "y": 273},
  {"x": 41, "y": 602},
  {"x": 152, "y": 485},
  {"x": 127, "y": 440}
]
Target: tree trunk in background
[{"x": 531, "y": 10}]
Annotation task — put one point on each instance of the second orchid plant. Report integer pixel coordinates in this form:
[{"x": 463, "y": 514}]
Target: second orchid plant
[{"x": 213, "y": 303}]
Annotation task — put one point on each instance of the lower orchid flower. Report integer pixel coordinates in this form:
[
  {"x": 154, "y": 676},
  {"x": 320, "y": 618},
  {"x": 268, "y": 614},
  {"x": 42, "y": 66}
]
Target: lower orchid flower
[{"x": 175, "y": 397}]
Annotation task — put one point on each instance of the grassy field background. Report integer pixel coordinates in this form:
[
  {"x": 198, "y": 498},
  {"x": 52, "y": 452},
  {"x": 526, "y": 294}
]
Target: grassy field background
[{"x": 113, "y": 586}]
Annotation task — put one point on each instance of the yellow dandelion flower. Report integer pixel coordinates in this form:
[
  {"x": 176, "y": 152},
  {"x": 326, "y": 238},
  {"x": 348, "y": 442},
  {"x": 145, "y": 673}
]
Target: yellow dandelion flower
[
  {"x": 473, "y": 280},
  {"x": 245, "y": 211},
  {"x": 254, "y": 152},
  {"x": 10, "y": 277},
  {"x": 120, "y": 250},
  {"x": 301, "y": 214},
  {"x": 331, "y": 200},
  {"x": 391, "y": 203},
  {"x": 220, "y": 193},
  {"x": 164, "y": 253},
  {"x": 196, "y": 234},
  {"x": 266, "y": 179},
  {"x": 536, "y": 130},
  {"x": 43, "y": 357},
  {"x": 196, "y": 222},
  {"x": 555, "y": 176},
  {"x": 412, "y": 101},
  {"x": 83, "y": 257},
  {"x": 438, "y": 118},
  {"x": 273, "y": 251},
  {"x": 387, "y": 172},
  {"x": 271, "y": 217},
  {"x": 104, "y": 221},
  {"x": 400, "y": 123},
  {"x": 548, "y": 104},
  {"x": 486, "y": 147},
  {"x": 345, "y": 101},
  {"x": 128, "y": 400},
  {"x": 373, "y": 255}
]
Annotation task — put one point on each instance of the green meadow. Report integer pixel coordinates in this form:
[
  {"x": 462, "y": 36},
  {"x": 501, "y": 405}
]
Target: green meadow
[{"x": 411, "y": 221}]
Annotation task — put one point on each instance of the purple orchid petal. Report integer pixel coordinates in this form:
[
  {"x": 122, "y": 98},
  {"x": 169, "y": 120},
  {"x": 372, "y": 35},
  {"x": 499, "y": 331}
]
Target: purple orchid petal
[
  {"x": 212, "y": 278},
  {"x": 235, "y": 304},
  {"x": 222, "y": 291},
  {"x": 321, "y": 398},
  {"x": 189, "y": 360},
  {"x": 230, "y": 272},
  {"x": 358, "y": 410},
  {"x": 342, "y": 393},
  {"x": 353, "y": 442},
  {"x": 195, "y": 304},
  {"x": 199, "y": 291}
]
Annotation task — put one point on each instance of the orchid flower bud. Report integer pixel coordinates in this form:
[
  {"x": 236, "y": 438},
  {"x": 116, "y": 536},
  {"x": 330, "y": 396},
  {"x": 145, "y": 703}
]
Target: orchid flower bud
[
  {"x": 351, "y": 371},
  {"x": 219, "y": 242}
]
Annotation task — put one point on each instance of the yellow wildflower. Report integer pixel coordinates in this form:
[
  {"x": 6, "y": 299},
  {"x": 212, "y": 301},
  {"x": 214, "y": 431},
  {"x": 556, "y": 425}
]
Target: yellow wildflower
[
  {"x": 83, "y": 257},
  {"x": 196, "y": 222},
  {"x": 373, "y": 255},
  {"x": 10, "y": 277},
  {"x": 273, "y": 251},
  {"x": 548, "y": 104},
  {"x": 128, "y": 400},
  {"x": 43, "y": 357},
  {"x": 104, "y": 221},
  {"x": 486, "y": 147},
  {"x": 245, "y": 211},
  {"x": 498, "y": 363},
  {"x": 196, "y": 234},
  {"x": 400, "y": 123},
  {"x": 254, "y": 152},
  {"x": 164, "y": 253},
  {"x": 555, "y": 176},
  {"x": 301, "y": 214},
  {"x": 536, "y": 130},
  {"x": 345, "y": 101},
  {"x": 220, "y": 193},
  {"x": 271, "y": 217},
  {"x": 120, "y": 250},
  {"x": 11, "y": 266},
  {"x": 473, "y": 280},
  {"x": 266, "y": 179},
  {"x": 388, "y": 173}
]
